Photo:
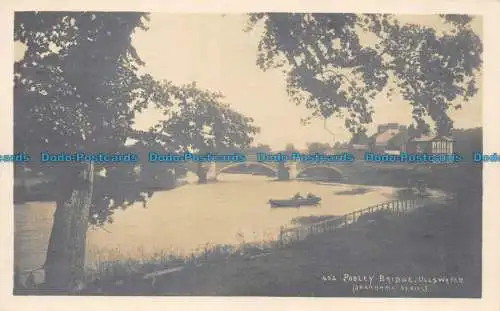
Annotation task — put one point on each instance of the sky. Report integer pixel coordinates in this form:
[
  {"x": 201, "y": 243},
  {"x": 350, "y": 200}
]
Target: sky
[{"x": 214, "y": 51}]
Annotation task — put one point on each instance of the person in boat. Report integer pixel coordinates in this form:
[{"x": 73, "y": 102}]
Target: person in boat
[
  {"x": 421, "y": 188},
  {"x": 297, "y": 196},
  {"x": 310, "y": 196}
]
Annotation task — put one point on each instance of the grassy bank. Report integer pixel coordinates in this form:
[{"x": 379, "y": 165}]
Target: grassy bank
[
  {"x": 127, "y": 275},
  {"x": 428, "y": 243}
]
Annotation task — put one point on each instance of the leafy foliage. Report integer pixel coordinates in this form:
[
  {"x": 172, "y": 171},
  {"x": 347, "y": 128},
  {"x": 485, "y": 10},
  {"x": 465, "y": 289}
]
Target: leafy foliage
[
  {"x": 73, "y": 78},
  {"x": 332, "y": 71},
  {"x": 468, "y": 141},
  {"x": 398, "y": 140},
  {"x": 417, "y": 131},
  {"x": 317, "y": 147},
  {"x": 77, "y": 89},
  {"x": 73, "y": 92},
  {"x": 360, "y": 138},
  {"x": 198, "y": 121},
  {"x": 290, "y": 148},
  {"x": 259, "y": 148}
]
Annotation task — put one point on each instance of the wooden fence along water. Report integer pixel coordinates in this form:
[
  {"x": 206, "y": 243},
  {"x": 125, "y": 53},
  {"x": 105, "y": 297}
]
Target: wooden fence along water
[{"x": 299, "y": 233}]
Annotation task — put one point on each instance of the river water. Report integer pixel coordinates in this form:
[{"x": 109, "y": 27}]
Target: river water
[{"x": 181, "y": 220}]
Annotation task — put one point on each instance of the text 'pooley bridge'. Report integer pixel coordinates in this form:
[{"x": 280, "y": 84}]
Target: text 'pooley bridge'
[{"x": 283, "y": 168}]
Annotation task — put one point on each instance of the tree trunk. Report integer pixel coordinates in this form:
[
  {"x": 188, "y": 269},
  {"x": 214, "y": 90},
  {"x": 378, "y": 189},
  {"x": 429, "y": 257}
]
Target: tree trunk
[{"x": 64, "y": 266}]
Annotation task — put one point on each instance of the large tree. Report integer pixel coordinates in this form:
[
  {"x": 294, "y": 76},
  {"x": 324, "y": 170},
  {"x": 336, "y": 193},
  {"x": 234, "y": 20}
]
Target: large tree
[
  {"x": 332, "y": 70},
  {"x": 73, "y": 92},
  {"x": 198, "y": 121},
  {"x": 77, "y": 89}
]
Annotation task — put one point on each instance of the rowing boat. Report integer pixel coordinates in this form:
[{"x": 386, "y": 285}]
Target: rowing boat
[{"x": 295, "y": 202}]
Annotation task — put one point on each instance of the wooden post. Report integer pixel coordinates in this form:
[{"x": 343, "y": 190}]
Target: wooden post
[{"x": 281, "y": 237}]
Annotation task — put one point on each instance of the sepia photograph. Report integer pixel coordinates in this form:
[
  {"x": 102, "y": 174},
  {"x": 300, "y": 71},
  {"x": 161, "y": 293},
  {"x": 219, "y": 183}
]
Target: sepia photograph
[{"x": 258, "y": 154}]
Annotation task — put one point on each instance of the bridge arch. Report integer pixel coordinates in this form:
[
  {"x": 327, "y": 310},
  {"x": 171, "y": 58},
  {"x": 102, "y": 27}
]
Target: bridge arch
[
  {"x": 331, "y": 168},
  {"x": 235, "y": 164}
]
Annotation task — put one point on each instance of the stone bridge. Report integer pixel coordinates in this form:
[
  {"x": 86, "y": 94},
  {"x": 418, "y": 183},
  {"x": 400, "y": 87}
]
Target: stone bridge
[{"x": 295, "y": 168}]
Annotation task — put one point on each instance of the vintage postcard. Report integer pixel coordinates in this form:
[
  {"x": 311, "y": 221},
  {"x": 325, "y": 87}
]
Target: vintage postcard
[{"x": 331, "y": 152}]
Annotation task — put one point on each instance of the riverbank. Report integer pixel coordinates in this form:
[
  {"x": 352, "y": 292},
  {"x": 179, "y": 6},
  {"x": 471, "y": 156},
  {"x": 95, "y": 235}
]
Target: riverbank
[{"x": 430, "y": 242}]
